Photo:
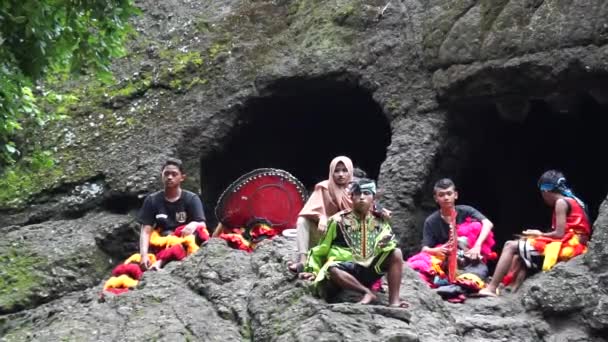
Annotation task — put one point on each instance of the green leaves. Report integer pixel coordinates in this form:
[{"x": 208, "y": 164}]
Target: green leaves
[
  {"x": 19, "y": 20},
  {"x": 53, "y": 38}
]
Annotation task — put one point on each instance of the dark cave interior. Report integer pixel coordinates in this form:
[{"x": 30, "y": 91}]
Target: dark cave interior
[
  {"x": 300, "y": 128},
  {"x": 496, "y": 162},
  {"x": 494, "y": 158}
]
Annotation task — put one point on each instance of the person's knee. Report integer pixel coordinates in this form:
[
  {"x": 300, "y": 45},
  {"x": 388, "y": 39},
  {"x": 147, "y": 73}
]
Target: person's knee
[
  {"x": 335, "y": 274},
  {"x": 397, "y": 255},
  {"x": 510, "y": 245}
]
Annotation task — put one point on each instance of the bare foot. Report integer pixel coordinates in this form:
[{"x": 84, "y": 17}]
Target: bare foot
[
  {"x": 156, "y": 266},
  {"x": 399, "y": 304},
  {"x": 368, "y": 298},
  {"x": 307, "y": 276},
  {"x": 485, "y": 292},
  {"x": 295, "y": 267}
]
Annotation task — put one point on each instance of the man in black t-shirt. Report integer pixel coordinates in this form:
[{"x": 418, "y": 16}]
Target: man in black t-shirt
[
  {"x": 436, "y": 231},
  {"x": 168, "y": 209}
]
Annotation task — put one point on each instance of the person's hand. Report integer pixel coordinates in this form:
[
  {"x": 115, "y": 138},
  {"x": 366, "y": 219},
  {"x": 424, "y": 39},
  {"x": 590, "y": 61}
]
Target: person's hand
[
  {"x": 386, "y": 214},
  {"x": 145, "y": 262},
  {"x": 532, "y": 232},
  {"x": 322, "y": 227},
  {"x": 385, "y": 241},
  {"x": 473, "y": 253},
  {"x": 189, "y": 229},
  {"x": 308, "y": 276},
  {"x": 441, "y": 250}
]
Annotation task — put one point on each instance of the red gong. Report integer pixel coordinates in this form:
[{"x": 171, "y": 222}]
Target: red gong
[{"x": 271, "y": 195}]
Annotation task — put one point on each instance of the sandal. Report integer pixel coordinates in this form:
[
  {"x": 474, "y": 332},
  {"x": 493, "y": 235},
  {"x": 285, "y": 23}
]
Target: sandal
[
  {"x": 401, "y": 305},
  {"x": 487, "y": 293}
]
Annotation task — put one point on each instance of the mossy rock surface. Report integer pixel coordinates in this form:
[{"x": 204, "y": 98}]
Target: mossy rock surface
[
  {"x": 20, "y": 280},
  {"x": 40, "y": 263},
  {"x": 139, "y": 113}
]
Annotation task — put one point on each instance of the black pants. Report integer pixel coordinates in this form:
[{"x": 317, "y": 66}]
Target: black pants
[{"x": 365, "y": 275}]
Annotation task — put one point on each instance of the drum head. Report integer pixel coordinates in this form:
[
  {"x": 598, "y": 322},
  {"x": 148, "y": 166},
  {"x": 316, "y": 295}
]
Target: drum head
[{"x": 271, "y": 195}]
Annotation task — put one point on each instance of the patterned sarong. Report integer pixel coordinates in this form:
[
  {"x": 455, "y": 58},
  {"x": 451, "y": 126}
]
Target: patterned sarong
[{"x": 542, "y": 253}]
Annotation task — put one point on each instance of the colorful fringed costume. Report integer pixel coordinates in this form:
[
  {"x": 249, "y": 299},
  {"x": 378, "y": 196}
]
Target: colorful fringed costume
[
  {"x": 168, "y": 248},
  {"x": 257, "y": 206},
  {"x": 542, "y": 253},
  {"x": 350, "y": 239},
  {"x": 245, "y": 239},
  {"x": 432, "y": 269}
]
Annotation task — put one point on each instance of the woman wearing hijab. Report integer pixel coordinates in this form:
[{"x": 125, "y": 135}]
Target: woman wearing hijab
[
  {"x": 570, "y": 232},
  {"x": 328, "y": 198}
]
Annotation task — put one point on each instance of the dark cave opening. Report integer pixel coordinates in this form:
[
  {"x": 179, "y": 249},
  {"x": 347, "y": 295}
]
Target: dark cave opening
[
  {"x": 300, "y": 128},
  {"x": 503, "y": 160}
]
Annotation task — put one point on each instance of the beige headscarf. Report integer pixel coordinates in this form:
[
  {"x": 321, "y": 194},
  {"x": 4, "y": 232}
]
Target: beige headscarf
[{"x": 328, "y": 197}]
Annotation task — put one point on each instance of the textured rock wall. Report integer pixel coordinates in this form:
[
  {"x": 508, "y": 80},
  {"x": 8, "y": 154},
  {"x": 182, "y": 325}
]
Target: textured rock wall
[{"x": 191, "y": 70}]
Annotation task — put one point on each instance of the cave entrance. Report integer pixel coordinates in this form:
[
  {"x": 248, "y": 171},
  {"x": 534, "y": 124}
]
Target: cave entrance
[
  {"x": 502, "y": 159},
  {"x": 300, "y": 128}
]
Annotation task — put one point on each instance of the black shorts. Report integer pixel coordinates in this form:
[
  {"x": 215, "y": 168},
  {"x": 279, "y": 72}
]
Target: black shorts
[
  {"x": 479, "y": 269},
  {"x": 365, "y": 275}
]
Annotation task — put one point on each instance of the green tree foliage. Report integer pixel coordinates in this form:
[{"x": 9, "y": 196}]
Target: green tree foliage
[{"x": 47, "y": 38}]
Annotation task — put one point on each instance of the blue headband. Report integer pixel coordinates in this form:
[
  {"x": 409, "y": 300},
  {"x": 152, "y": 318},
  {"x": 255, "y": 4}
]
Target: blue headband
[
  {"x": 368, "y": 187},
  {"x": 547, "y": 187},
  {"x": 359, "y": 187},
  {"x": 561, "y": 187}
]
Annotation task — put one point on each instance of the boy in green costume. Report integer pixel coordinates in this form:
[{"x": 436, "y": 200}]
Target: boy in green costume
[{"x": 357, "y": 249}]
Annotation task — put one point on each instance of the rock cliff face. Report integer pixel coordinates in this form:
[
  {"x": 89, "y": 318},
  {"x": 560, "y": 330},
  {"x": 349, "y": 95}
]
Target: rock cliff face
[{"x": 446, "y": 78}]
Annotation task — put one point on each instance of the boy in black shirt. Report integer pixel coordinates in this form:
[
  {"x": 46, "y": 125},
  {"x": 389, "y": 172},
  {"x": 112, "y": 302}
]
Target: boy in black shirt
[
  {"x": 436, "y": 231},
  {"x": 170, "y": 208}
]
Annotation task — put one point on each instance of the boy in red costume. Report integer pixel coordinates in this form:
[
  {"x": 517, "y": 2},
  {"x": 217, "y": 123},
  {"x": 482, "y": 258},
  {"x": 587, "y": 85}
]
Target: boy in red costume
[{"x": 570, "y": 232}]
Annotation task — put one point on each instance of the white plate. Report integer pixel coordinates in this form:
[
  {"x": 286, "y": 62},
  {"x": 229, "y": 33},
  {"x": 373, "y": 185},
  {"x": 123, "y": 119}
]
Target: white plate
[{"x": 290, "y": 233}]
